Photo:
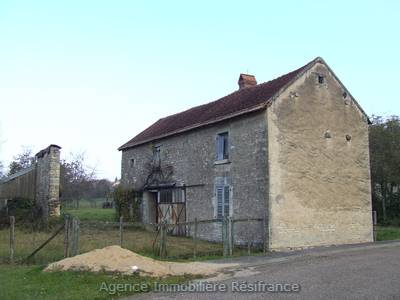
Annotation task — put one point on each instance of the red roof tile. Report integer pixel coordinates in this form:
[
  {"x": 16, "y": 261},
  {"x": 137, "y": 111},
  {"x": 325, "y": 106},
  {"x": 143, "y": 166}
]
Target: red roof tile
[{"x": 242, "y": 101}]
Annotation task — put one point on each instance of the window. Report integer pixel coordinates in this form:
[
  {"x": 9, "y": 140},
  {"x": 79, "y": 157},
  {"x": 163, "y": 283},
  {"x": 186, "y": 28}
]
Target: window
[
  {"x": 176, "y": 195},
  {"x": 222, "y": 192},
  {"x": 165, "y": 196},
  {"x": 321, "y": 79},
  {"x": 156, "y": 154},
  {"x": 222, "y": 146},
  {"x": 132, "y": 162}
]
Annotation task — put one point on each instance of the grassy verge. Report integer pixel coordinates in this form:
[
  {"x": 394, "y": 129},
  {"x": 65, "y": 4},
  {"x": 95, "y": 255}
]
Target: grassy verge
[
  {"x": 388, "y": 233},
  {"x": 29, "y": 282}
]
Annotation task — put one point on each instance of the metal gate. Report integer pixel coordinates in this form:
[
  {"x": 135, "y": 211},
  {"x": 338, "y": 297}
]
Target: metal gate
[{"x": 171, "y": 208}]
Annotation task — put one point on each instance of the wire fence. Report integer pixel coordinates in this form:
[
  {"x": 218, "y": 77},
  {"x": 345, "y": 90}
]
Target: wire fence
[{"x": 70, "y": 237}]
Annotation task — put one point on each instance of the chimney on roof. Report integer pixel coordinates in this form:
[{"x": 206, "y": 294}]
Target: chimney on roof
[{"x": 246, "y": 80}]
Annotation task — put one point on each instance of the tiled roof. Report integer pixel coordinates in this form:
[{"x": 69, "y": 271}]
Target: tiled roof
[{"x": 242, "y": 101}]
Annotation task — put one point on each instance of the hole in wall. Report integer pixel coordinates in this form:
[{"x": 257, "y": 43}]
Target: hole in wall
[
  {"x": 348, "y": 137},
  {"x": 321, "y": 79},
  {"x": 327, "y": 134},
  {"x": 344, "y": 95}
]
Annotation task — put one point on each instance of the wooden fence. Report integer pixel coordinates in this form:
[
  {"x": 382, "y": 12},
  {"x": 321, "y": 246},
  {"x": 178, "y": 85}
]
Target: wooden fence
[{"x": 19, "y": 185}]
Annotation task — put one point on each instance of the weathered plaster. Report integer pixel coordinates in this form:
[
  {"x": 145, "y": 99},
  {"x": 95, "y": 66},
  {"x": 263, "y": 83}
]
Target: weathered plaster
[{"x": 319, "y": 187}]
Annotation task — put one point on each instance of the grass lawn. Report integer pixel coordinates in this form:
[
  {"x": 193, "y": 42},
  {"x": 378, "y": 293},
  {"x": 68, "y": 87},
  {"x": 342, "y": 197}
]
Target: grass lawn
[
  {"x": 91, "y": 210},
  {"x": 29, "y": 282},
  {"x": 388, "y": 233},
  {"x": 93, "y": 214}
]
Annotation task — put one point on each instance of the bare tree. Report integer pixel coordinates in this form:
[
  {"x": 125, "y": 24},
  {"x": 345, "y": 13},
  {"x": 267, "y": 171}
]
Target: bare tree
[
  {"x": 76, "y": 178},
  {"x": 21, "y": 161},
  {"x": 2, "y": 172}
]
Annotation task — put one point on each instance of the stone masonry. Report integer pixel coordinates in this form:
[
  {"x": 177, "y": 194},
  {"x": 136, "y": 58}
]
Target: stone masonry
[
  {"x": 40, "y": 182},
  {"x": 194, "y": 164},
  {"x": 303, "y": 161},
  {"x": 48, "y": 180}
]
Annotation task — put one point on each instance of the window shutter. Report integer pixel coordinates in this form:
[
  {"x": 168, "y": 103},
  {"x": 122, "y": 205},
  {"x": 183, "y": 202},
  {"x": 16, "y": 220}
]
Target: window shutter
[
  {"x": 220, "y": 195},
  {"x": 226, "y": 200}
]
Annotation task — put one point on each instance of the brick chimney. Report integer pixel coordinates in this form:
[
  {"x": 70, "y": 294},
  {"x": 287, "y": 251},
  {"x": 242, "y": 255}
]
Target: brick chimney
[{"x": 246, "y": 80}]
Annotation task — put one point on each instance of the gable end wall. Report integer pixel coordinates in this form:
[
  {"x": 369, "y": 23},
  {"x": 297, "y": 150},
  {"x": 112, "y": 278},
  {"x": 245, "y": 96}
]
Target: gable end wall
[{"x": 319, "y": 186}]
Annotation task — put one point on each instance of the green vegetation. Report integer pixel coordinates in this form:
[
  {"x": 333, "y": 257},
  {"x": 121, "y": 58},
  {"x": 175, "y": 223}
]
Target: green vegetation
[
  {"x": 83, "y": 203},
  {"x": 384, "y": 142},
  {"x": 93, "y": 214},
  {"x": 388, "y": 233},
  {"x": 127, "y": 203},
  {"x": 90, "y": 210},
  {"x": 29, "y": 282}
]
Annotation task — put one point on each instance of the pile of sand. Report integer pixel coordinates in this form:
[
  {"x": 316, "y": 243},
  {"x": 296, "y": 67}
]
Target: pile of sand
[{"x": 117, "y": 259}]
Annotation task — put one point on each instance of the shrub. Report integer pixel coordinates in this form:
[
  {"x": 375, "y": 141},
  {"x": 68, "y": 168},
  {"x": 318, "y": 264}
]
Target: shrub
[
  {"x": 127, "y": 203},
  {"x": 24, "y": 210}
]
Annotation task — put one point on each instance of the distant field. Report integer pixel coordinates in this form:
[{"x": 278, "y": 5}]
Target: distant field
[
  {"x": 90, "y": 210},
  {"x": 84, "y": 203},
  {"x": 93, "y": 214},
  {"x": 388, "y": 233}
]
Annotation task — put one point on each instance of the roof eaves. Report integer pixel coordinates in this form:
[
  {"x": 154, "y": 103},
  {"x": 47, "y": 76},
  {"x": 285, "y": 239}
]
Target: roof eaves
[
  {"x": 236, "y": 114},
  {"x": 266, "y": 103}
]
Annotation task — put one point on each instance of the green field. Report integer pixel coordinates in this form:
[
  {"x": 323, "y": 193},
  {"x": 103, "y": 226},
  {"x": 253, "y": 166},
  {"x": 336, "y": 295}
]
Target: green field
[
  {"x": 385, "y": 233},
  {"x": 90, "y": 210},
  {"x": 29, "y": 282},
  {"x": 93, "y": 214}
]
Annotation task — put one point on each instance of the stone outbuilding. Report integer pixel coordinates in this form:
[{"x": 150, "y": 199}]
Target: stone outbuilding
[{"x": 294, "y": 149}]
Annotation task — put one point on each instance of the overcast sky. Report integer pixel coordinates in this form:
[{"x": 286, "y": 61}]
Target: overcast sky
[{"x": 89, "y": 75}]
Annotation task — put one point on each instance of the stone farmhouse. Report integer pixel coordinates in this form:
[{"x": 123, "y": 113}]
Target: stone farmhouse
[{"x": 294, "y": 149}]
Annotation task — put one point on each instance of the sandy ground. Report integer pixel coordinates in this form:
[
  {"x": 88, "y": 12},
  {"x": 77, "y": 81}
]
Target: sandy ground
[{"x": 117, "y": 259}]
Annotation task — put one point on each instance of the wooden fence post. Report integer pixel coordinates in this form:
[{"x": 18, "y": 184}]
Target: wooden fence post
[
  {"x": 374, "y": 222},
  {"x": 66, "y": 236},
  {"x": 225, "y": 236},
  {"x": 265, "y": 234},
  {"x": 249, "y": 239},
  {"x": 195, "y": 238},
  {"x": 163, "y": 242},
  {"x": 75, "y": 236},
  {"x": 12, "y": 238},
  {"x": 73, "y": 239},
  {"x": 121, "y": 229},
  {"x": 230, "y": 235}
]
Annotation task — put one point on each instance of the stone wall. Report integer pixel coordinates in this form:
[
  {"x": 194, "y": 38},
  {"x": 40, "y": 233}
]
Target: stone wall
[
  {"x": 304, "y": 162},
  {"x": 319, "y": 165},
  {"x": 48, "y": 180},
  {"x": 192, "y": 156},
  {"x": 40, "y": 182}
]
